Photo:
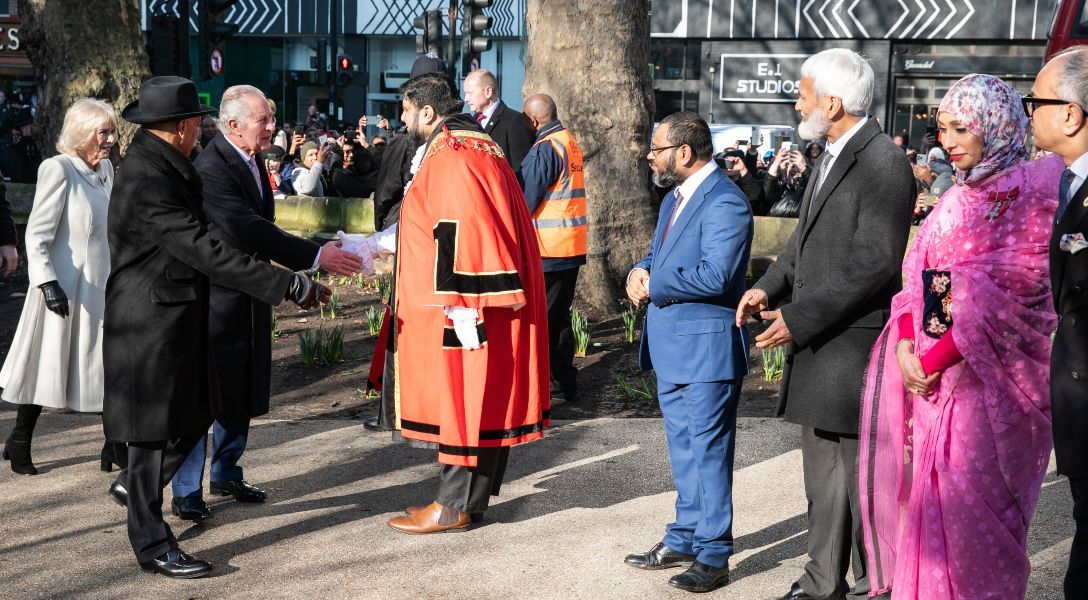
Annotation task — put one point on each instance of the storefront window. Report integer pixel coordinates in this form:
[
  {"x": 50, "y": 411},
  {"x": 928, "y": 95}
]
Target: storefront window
[{"x": 675, "y": 59}]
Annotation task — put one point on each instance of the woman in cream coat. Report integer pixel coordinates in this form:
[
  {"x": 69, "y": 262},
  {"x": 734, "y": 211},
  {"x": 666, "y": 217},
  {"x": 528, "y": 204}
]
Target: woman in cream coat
[{"x": 55, "y": 359}]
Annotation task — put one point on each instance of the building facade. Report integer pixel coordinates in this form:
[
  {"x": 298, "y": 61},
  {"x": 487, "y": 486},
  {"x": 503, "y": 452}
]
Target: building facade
[
  {"x": 739, "y": 61},
  {"x": 733, "y": 61},
  {"x": 277, "y": 40}
]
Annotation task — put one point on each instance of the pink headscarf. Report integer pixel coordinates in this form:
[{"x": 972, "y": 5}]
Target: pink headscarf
[{"x": 988, "y": 108}]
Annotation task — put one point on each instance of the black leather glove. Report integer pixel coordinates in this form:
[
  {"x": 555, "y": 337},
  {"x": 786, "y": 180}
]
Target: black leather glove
[
  {"x": 55, "y": 299},
  {"x": 306, "y": 292}
]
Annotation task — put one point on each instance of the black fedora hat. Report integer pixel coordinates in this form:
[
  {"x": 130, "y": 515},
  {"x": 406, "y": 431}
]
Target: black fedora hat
[{"x": 166, "y": 98}]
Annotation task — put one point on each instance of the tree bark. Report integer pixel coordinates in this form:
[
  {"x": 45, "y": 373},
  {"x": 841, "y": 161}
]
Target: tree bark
[
  {"x": 592, "y": 58},
  {"x": 83, "y": 48}
]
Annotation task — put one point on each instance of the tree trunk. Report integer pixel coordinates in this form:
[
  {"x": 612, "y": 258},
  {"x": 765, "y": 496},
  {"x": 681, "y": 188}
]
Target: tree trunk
[
  {"x": 82, "y": 48},
  {"x": 591, "y": 58}
]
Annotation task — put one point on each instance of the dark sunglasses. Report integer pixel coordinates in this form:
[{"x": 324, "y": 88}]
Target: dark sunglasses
[{"x": 1030, "y": 103}]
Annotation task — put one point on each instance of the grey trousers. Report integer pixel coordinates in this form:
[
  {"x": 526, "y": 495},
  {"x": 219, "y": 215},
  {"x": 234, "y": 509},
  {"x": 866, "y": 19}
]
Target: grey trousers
[
  {"x": 835, "y": 541},
  {"x": 469, "y": 489}
]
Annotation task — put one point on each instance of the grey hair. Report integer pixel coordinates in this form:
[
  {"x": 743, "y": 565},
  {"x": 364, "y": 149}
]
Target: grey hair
[
  {"x": 81, "y": 123},
  {"x": 1072, "y": 83},
  {"x": 487, "y": 79},
  {"x": 233, "y": 106},
  {"x": 844, "y": 74}
]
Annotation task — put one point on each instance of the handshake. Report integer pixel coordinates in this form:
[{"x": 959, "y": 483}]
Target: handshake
[
  {"x": 346, "y": 257},
  {"x": 307, "y": 293}
]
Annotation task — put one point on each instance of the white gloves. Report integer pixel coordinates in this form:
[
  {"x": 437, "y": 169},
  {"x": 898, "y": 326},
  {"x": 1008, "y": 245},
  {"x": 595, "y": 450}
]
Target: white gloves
[
  {"x": 367, "y": 248},
  {"x": 464, "y": 325}
]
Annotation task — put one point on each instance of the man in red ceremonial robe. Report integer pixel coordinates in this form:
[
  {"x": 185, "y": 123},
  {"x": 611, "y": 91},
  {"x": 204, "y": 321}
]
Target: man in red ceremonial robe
[{"x": 470, "y": 339}]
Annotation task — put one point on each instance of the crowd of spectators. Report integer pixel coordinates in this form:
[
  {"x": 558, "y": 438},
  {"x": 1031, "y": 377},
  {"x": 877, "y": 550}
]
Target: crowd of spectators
[
  {"x": 19, "y": 152},
  {"x": 313, "y": 160},
  {"x": 775, "y": 181}
]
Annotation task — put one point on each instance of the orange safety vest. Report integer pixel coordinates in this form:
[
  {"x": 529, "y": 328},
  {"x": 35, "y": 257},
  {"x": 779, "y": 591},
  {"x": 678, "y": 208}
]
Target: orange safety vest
[{"x": 560, "y": 218}]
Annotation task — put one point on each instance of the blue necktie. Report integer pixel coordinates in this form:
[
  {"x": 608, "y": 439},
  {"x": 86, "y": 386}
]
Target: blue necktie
[{"x": 1063, "y": 192}]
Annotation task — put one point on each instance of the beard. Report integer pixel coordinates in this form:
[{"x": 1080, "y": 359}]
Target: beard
[
  {"x": 669, "y": 177},
  {"x": 415, "y": 130},
  {"x": 815, "y": 127}
]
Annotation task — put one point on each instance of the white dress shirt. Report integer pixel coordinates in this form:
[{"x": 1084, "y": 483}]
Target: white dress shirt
[
  {"x": 251, "y": 162},
  {"x": 687, "y": 189},
  {"x": 836, "y": 148},
  {"x": 487, "y": 112},
  {"x": 1080, "y": 173}
]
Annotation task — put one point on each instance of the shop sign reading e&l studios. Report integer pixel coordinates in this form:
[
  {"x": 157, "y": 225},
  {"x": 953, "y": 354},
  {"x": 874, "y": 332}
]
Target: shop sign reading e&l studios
[{"x": 772, "y": 78}]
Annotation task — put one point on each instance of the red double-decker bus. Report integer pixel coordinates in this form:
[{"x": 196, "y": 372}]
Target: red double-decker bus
[{"x": 1070, "y": 27}]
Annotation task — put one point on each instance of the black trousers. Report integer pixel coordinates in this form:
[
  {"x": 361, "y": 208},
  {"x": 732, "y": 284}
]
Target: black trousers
[
  {"x": 1076, "y": 576},
  {"x": 559, "y": 290},
  {"x": 835, "y": 542},
  {"x": 469, "y": 489},
  {"x": 151, "y": 465}
]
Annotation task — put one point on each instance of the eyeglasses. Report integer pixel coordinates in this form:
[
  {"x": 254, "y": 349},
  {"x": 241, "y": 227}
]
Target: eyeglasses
[
  {"x": 1030, "y": 103},
  {"x": 654, "y": 151}
]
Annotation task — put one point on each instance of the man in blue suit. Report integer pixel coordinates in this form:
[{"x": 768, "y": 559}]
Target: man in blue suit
[{"x": 692, "y": 279}]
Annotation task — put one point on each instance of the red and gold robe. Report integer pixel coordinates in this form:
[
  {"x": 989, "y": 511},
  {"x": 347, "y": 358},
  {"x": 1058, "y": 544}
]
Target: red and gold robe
[{"x": 465, "y": 238}]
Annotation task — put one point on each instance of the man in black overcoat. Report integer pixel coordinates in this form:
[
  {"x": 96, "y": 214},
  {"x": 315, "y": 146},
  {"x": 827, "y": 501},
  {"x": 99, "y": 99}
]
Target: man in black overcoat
[
  {"x": 839, "y": 270},
  {"x": 505, "y": 125},
  {"x": 159, "y": 377},
  {"x": 1058, "y": 108},
  {"x": 241, "y": 213}
]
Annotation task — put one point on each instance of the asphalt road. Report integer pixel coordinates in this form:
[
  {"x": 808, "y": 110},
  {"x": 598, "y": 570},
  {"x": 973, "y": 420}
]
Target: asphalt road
[{"x": 574, "y": 505}]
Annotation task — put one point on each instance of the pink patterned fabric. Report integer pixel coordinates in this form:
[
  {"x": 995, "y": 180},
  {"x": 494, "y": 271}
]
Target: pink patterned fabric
[
  {"x": 988, "y": 108},
  {"x": 949, "y": 482}
]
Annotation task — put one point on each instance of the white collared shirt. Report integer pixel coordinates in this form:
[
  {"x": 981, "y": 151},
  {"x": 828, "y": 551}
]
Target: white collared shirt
[
  {"x": 1080, "y": 173},
  {"x": 251, "y": 162},
  {"x": 487, "y": 112},
  {"x": 692, "y": 183},
  {"x": 836, "y": 148}
]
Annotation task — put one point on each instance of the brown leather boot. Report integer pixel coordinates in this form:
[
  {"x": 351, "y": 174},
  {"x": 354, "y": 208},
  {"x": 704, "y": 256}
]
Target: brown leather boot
[{"x": 428, "y": 520}]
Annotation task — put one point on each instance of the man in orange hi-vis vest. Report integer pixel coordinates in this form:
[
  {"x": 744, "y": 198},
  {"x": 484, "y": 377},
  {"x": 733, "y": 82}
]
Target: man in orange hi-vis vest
[
  {"x": 555, "y": 190},
  {"x": 469, "y": 322}
]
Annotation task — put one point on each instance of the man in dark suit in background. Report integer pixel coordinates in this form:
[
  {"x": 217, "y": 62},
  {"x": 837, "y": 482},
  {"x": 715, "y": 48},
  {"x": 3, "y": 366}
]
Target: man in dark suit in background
[
  {"x": 1058, "y": 109},
  {"x": 156, "y": 368},
  {"x": 505, "y": 125},
  {"x": 241, "y": 213},
  {"x": 840, "y": 268}
]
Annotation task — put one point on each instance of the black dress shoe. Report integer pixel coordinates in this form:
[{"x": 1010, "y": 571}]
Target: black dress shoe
[
  {"x": 701, "y": 578},
  {"x": 659, "y": 557},
  {"x": 178, "y": 565},
  {"x": 372, "y": 424},
  {"x": 119, "y": 494},
  {"x": 240, "y": 489},
  {"x": 190, "y": 509},
  {"x": 796, "y": 593}
]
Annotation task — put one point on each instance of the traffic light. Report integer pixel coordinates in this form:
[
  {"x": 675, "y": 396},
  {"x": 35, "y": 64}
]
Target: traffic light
[
  {"x": 345, "y": 70},
  {"x": 430, "y": 40},
  {"x": 213, "y": 31},
  {"x": 473, "y": 23},
  {"x": 163, "y": 45},
  {"x": 321, "y": 62}
]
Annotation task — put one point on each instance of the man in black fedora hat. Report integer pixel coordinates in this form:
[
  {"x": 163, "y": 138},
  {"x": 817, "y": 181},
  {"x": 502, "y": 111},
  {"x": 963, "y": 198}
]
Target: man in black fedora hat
[{"x": 158, "y": 374}]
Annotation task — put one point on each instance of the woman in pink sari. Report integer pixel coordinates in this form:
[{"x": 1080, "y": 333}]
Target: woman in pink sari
[{"x": 955, "y": 426}]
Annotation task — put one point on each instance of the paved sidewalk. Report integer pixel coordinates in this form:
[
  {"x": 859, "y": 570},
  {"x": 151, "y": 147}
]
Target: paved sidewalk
[{"x": 575, "y": 504}]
